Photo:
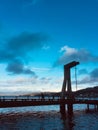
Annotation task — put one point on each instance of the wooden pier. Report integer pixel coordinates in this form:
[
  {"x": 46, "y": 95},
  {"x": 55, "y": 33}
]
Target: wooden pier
[{"x": 17, "y": 102}]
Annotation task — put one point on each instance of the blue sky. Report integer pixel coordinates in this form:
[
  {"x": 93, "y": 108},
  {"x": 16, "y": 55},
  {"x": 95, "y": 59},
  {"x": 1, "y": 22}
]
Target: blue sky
[{"x": 37, "y": 37}]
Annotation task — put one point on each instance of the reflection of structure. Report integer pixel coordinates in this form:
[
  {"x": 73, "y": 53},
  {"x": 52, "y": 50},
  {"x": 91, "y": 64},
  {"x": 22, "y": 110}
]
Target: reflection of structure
[{"x": 67, "y": 87}]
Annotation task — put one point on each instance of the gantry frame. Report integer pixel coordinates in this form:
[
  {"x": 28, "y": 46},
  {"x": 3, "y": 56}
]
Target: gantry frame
[{"x": 67, "y": 79}]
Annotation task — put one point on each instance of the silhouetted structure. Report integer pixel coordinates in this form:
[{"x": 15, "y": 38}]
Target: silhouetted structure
[
  {"x": 20, "y": 101},
  {"x": 67, "y": 80},
  {"x": 67, "y": 86}
]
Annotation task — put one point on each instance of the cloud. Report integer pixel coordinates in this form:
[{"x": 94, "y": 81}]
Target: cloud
[
  {"x": 19, "y": 49},
  {"x": 68, "y": 50},
  {"x": 45, "y": 80},
  {"x": 70, "y": 54},
  {"x": 23, "y": 81},
  {"x": 94, "y": 73},
  {"x": 17, "y": 67},
  {"x": 92, "y": 77},
  {"x": 21, "y": 46},
  {"x": 82, "y": 71},
  {"x": 31, "y": 80},
  {"x": 33, "y": 83},
  {"x": 85, "y": 80}
]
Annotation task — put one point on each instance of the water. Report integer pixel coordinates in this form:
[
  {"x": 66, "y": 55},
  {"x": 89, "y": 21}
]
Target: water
[{"x": 47, "y": 118}]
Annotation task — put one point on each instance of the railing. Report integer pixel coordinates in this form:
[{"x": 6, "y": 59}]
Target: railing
[
  {"x": 33, "y": 98},
  {"x": 35, "y": 101},
  {"x": 27, "y": 98}
]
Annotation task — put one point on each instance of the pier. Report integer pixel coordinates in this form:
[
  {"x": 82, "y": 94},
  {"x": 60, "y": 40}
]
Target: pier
[
  {"x": 5, "y": 102},
  {"x": 62, "y": 101}
]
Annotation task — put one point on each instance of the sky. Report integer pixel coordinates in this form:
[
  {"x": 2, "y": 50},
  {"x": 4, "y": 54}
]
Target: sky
[{"x": 38, "y": 37}]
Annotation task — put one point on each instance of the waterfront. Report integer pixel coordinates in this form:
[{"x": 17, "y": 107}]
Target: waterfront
[{"x": 47, "y": 118}]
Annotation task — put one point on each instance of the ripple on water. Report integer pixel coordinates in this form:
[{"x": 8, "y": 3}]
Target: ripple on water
[{"x": 28, "y": 119}]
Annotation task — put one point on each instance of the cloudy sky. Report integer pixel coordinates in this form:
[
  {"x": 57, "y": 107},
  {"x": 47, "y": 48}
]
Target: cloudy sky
[{"x": 37, "y": 37}]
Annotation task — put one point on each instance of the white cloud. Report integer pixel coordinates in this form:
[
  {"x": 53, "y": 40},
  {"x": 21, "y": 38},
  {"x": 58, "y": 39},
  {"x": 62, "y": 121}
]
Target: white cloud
[
  {"x": 20, "y": 84},
  {"x": 68, "y": 50},
  {"x": 70, "y": 54}
]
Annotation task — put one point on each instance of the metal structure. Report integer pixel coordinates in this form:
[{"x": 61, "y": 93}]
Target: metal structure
[{"x": 67, "y": 80}]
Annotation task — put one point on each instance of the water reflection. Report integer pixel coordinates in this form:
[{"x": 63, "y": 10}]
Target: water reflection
[
  {"x": 48, "y": 120},
  {"x": 67, "y": 116},
  {"x": 67, "y": 120}
]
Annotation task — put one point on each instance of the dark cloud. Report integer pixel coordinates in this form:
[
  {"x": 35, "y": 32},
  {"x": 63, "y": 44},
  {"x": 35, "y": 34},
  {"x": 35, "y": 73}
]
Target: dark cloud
[
  {"x": 92, "y": 77},
  {"x": 20, "y": 47},
  {"x": 28, "y": 71},
  {"x": 86, "y": 80},
  {"x": 94, "y": 73},
  {"x": 26, "y": 42},
  {"x": 17, "y": 67},
  {"x": 45, "y": 80},
  {"x": 72, "y": 54}
]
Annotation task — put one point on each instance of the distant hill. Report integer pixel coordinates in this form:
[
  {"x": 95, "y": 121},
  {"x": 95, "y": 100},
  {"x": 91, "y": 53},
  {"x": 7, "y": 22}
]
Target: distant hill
[{"x": 88, "y": 92}]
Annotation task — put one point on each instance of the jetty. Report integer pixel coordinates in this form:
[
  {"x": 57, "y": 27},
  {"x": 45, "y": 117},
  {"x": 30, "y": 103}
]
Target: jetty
[{"x": 62, "y": 101}]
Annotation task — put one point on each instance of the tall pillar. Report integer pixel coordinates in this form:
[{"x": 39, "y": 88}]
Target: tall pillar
[
  {"x": 63, "y": 109},
  {"x": 64, "y": 84},
  {"x": 67, "y": 87}
]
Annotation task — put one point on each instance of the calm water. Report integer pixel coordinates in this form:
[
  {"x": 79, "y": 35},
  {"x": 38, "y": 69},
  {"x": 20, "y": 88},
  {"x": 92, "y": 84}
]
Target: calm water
[{"x": 47, "y": 118}]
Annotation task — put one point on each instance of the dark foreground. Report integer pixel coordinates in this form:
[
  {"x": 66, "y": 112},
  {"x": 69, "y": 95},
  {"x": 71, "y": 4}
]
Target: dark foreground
[{"x": 47, "y": 118}]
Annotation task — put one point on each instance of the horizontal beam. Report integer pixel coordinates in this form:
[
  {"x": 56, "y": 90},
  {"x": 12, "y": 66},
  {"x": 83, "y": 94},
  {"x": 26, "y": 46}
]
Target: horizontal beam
[
  {"x": 6, "y": 104},
  {"x": 71, "y": 64}
]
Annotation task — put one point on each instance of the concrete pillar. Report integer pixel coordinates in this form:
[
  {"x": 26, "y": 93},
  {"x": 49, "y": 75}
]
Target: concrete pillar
[{"x": 63, "y": 109}]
